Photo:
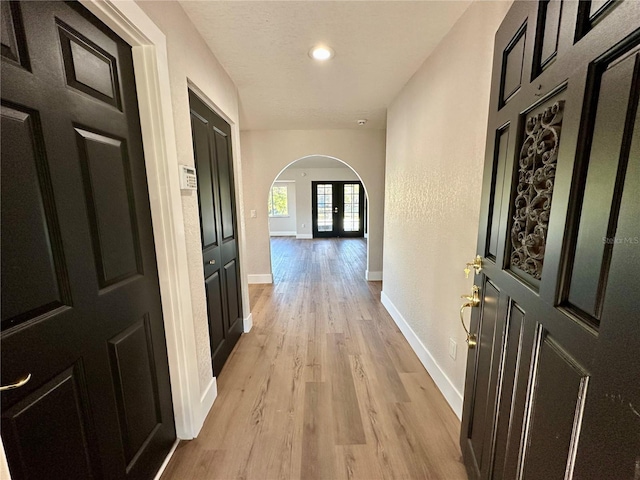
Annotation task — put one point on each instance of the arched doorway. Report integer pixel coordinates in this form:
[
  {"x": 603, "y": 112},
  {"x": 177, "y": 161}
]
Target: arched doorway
[{"x": 317, "y": 196}]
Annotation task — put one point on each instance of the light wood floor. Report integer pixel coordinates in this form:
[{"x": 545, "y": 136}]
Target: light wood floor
[{"x": 324, "y": 386}]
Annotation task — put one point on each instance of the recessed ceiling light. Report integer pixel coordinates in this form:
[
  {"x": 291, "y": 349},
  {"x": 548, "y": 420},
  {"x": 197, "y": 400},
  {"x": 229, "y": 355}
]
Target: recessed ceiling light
[{"x": 321, "y": 53}]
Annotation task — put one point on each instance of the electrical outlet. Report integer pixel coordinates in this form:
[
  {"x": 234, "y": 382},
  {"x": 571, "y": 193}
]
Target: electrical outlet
[
  {"x": 303, "y": 225},
  {"x": 453, "y": 347},
  {"x": 253, "y": 214}
]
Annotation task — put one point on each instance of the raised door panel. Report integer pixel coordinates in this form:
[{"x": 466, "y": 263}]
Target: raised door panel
[
  {"x": 34, "y": 277},
  {"x": 225, "y": 185},
  {"x": 513, "y": 65},
  {"x": 233, "y": 306},
  {"x": 14, "y": 44},
  {"x": 497, "y": 184},
  {"x": 49, "y": 434},
  {"x": 135, "y": 381},
  {"x": 202, "y": 144},
  {"x": 513, "y": 353},
  {"x": 89, "y": 68},
  {"x": 111, "y": 207},
  {"x": 590, "y": 13},
  {"x": 547, "y": 35},
  {"x": 231, "y": 288},
  {"x": 611, "y": 124},
  {"x": 557, "y": 394},
  {"x": 215, "y": 314}
]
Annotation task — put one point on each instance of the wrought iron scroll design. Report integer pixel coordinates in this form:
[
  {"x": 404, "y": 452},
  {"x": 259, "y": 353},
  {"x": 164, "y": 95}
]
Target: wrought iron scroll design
[{"x": 536, "y": 178}]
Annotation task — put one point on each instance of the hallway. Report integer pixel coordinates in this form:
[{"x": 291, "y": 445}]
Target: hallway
[{"x": 324, "y": 386}]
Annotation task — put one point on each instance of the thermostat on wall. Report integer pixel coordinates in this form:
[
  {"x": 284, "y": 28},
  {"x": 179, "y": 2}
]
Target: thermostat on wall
[{"x": 188, "y": 178}]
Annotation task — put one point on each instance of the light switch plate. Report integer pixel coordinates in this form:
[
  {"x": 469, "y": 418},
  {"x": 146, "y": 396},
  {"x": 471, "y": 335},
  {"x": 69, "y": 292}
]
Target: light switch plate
[{"x": 453, "y": 347}]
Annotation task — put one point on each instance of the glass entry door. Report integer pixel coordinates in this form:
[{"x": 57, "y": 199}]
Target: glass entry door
[{"x": 338, "y": 209}]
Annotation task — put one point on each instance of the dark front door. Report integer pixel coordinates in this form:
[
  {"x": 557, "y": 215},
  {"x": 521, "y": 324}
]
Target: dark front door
[
  {"x": 553, "y": 386},
  {"x": 218, "y": 227},
  {"x": 337, "y": 209},
  {"x": 81, "y": 313}
]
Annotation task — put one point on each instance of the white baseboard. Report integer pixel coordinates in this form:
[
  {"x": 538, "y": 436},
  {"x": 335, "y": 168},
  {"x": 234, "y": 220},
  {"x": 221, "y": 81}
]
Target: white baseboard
[
  {"x": 206, "y": 402},
  {"x": 282, "y": 234},
  {"x": 373, "y": 276},
  {"x": 304, "y": 236},
  {"x": 247, "y": 323},
  {"x": 166, "y": 460},
  {"x": 451, "y": 394},
  {"x": 260, "y": 278}
]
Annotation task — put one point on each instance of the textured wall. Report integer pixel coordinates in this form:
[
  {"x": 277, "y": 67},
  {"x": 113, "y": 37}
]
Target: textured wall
[
  {"x": 190, "y": 58},
  {"x": 303, "y": 190},
  {"x": 436, "y": 131},
  {"x": 266, "y": 152}
]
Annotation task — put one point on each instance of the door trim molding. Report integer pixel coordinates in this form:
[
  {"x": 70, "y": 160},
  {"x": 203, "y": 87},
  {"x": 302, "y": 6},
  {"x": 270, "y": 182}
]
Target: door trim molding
[
  {"x": 151, "y": 67},
  {"x": 443, "y": 382}
]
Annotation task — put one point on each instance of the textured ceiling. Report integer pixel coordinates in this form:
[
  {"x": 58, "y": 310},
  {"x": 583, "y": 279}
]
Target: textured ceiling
[{"x": 264, "y": 47}]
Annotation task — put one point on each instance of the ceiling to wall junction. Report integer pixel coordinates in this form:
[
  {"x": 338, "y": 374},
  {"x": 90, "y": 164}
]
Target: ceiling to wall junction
[
  {"x": 264, "y": 47},
  {"x": 318, "y": 161}
]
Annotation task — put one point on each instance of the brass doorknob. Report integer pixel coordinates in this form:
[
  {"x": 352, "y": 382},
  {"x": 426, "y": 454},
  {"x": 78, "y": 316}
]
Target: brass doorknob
[
  {"x": 212, "y": 262},
  {"x": 18, "y": 384},
  {"x": 473, "y": 300}
]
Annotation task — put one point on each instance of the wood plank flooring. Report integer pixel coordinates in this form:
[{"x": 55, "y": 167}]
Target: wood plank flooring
[{"x": 324, "y": 386}]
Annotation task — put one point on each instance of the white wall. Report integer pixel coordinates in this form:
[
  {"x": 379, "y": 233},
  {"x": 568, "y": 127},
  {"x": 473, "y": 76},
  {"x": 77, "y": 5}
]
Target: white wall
[
  {"x": 436, "y": 130},
  {"x": 265, "y": 153},
  {"x": 285, "y": 226},
  {"x": 304, "y": 226},
  {"x": 191, "y": 63}
]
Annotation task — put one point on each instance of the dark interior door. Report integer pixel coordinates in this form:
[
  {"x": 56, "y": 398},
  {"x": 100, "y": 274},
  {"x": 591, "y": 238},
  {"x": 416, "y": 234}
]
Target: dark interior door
[
  {"x": 218, "y": 228},
  {"x": 337, "y": 209},
  {"x": 553, "y": 386},
  {"x": 81, "y": 309}
]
